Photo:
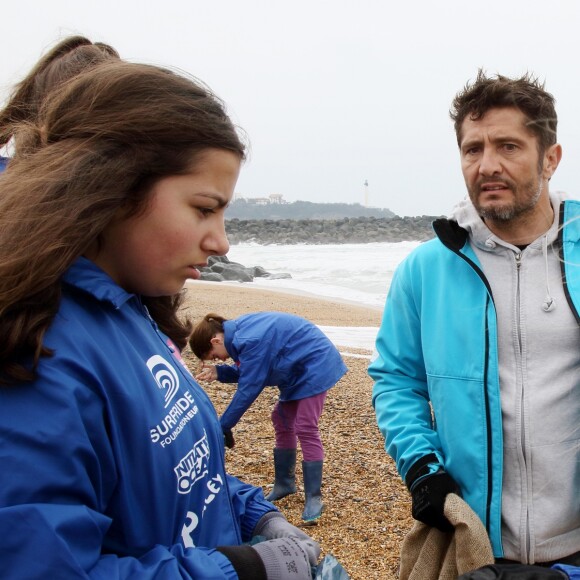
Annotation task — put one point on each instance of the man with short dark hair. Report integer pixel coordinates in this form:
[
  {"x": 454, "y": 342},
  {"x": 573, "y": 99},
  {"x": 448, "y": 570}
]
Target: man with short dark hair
[{"x": 477, "y": 369}]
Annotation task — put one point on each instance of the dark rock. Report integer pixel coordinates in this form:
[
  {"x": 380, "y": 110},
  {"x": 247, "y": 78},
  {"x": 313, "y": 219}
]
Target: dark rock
[
  {"x": 220, "y": 269},
  {"x": 260, "y": 272},
  {"x": 217, "y": 259},
  {"x": 217, "y": 267},
  {"x": 208, "y": 276},
  {"x": 349, "y": 230},
  {"x": 237, "y": 272}
]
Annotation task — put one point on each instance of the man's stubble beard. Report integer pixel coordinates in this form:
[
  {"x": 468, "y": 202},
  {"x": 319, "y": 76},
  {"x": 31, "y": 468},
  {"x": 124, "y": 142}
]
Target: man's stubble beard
[{"x": 512, "y": 210}]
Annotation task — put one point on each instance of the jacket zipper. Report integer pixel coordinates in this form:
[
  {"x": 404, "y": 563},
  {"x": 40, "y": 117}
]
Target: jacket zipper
[
  {"x": 480, "y": 273},
  {"x": 527, "y": 534}
]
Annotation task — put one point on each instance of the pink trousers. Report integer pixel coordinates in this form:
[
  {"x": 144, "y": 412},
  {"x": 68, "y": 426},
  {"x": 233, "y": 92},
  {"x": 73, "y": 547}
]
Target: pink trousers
[{"x": 298, "y": 421}]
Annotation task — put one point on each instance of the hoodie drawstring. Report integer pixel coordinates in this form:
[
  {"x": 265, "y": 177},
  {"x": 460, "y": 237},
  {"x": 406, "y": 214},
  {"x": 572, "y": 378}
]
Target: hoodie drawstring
[{"x": 549, "y": 303}]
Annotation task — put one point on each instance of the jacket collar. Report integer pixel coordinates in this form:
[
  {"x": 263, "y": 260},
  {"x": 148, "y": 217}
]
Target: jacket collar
[
  {"x": 85, "y": 275},
  {"x": 465, "y": 222},
  {"x": 450, "y": 233},
  {"x": 570, "y": 217},
  {"x": 230, "y": 328}
]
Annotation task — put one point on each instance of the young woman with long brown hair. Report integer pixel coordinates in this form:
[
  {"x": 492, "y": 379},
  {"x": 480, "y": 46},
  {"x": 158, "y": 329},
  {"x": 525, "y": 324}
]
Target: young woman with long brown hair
[{"x": 112, "y": 459}]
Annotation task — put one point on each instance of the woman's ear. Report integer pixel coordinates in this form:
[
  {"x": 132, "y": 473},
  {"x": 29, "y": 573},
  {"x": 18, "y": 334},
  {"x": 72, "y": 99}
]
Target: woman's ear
[{"x": 216, "y": 340}]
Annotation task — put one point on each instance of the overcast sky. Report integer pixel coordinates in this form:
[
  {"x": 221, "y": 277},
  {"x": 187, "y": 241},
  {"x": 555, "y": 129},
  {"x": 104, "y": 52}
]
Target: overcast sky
[{"x": 333, "y": 92}]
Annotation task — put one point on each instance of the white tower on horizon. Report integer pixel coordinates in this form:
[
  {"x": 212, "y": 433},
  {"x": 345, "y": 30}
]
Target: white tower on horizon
[{"x": 366, "y": 193}]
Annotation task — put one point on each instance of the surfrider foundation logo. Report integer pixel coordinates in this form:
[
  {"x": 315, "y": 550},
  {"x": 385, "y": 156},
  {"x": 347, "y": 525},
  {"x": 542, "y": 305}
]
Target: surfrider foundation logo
[{"x": 165, "y": 376}]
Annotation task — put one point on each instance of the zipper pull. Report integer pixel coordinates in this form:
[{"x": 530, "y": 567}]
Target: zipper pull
[{"x": 149, "y": 317}]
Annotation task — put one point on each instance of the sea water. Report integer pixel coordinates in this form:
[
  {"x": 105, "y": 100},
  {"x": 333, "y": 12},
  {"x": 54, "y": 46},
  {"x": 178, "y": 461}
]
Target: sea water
[{"x": 359, "y": 273}]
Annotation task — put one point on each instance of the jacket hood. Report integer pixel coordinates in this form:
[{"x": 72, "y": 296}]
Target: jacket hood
[
  {"x": 466, "y": 216},
  {"x": 467, "y": 220}
]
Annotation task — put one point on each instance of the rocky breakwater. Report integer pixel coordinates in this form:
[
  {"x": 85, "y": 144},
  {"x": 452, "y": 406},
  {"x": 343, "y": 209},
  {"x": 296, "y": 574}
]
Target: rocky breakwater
[
  {"x": 220, "y": 269},
  {"x": 360, "y": 230}
]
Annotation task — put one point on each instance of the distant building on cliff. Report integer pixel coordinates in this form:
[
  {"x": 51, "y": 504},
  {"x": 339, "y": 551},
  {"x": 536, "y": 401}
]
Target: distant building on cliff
[
  {"x": 273, "y": 198},
  {"x": 277, "y": 198}
]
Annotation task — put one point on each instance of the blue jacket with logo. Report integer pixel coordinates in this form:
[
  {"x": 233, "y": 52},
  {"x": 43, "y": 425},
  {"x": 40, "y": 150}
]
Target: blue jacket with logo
[
  {"x": 276, "y": 349},
  {"x": 112, "y": 461},
  {"x": 436, "y": 392}
]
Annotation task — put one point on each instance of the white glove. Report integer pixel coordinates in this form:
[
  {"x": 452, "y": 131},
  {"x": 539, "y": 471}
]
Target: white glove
[
  {"x": 284, "y": 559},
  {"x": 274, "y": 525}
]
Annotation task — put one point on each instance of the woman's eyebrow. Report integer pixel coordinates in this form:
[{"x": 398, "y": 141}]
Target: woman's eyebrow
[{"x": 219, "y": 199}]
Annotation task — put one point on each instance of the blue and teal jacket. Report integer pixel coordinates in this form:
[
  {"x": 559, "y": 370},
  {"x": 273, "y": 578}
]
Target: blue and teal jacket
[
  {"x": 276, "y": 349},
  {"x": 436, "y": 393},
  {"x": 112, "y": 461}
]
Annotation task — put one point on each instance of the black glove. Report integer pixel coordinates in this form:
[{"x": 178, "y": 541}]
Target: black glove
[
  {"x": 513, "y": 572},
  {"x": 428, "y": 496},
  {"x": 284, "y": 559},
  {"x": 229, "y": 438}
]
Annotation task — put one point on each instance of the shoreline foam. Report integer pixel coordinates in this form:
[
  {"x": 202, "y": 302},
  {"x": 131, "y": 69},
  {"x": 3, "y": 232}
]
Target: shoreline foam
[
  {"x": 348, "y": 325},
  {"x": 248, "y": 286}
]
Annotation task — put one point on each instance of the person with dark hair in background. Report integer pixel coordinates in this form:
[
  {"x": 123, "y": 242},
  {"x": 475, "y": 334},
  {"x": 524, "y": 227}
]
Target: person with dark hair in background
[
  {"x": 283, "y": 350},
  {"x": 477, "y": 365},
  {"x": 112, "y": 456},
  {"x": 63, "y": 62}
]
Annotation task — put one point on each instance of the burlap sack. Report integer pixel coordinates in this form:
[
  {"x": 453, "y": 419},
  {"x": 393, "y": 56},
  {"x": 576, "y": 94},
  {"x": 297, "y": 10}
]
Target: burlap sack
[{"x": 429, "y": 554}]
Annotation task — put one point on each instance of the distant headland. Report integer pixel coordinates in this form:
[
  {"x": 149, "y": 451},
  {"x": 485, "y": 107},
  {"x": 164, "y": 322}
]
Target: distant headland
[{"x": 275, "y": 208}]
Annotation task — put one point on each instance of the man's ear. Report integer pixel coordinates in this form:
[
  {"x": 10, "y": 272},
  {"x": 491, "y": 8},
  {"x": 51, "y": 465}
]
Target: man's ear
[{"x": 552, "y": 158}]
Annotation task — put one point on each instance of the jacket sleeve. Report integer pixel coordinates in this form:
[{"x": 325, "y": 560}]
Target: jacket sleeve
[
  {"x": 228, "y": 373},
  {"x": 57, "y": 474},
  {"x": 67, "y": 540},
  {"x": 255, "y": 362},
  {"x": 400, "y": 394},
  {"x": 249, "y": 505}
]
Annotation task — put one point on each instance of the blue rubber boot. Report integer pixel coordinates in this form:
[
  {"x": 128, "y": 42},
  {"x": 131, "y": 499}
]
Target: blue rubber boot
[
  {"x": 313, "y": 507},
  {"x": 284, "y": 472}
]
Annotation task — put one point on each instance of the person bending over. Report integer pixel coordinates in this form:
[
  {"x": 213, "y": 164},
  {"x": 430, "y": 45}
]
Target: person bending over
[{"x": 283, "y": 350}]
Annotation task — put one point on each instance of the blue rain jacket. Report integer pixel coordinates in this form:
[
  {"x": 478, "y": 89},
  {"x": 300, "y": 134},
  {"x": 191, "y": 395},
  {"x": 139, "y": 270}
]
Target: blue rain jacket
[
  {"x": 436, "y": 393},
  {"x": 112, "y": 461},
  {"x": 276, "y": 349}
]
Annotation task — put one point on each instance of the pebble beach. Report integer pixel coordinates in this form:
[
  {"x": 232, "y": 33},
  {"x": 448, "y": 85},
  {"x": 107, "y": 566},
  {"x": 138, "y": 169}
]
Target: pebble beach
[{"x": 367, "y": 508}]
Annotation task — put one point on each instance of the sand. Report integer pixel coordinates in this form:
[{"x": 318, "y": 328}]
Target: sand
[
  {"x": 367, "y": 509},
  {"x": 234, "y": 299}
]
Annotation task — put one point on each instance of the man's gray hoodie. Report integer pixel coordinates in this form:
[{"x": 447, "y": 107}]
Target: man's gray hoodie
[{"x": 539, "y": 362}]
